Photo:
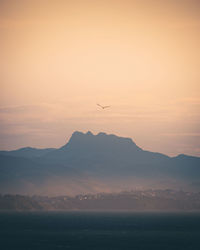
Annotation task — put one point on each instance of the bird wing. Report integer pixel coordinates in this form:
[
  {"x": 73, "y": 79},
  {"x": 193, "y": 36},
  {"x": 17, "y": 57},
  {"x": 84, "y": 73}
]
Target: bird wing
[
  {"x": 106, "y": 107},
  {"x": 99, "y": 105}
]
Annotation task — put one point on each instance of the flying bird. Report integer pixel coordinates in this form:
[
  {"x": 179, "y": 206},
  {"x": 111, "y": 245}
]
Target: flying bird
[{"x": 103, "y": 107}]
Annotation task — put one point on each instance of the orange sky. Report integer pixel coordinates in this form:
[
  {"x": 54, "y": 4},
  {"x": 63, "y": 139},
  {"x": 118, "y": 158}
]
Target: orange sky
[{"x": 59, "y": 58}]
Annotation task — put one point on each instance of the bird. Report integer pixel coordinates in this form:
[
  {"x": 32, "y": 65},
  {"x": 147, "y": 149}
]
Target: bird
[{"x": 103, "y": 107}]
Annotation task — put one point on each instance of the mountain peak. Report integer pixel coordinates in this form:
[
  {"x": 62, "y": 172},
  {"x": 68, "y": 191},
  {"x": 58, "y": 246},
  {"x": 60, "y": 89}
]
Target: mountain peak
[
  {"x": 77, "y": 133},
  {"x": 89, "y": 133},
  {"x": 101, "y": 141}
]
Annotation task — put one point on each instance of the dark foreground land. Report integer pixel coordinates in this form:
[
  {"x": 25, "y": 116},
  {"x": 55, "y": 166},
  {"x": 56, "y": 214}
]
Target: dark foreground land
[
  {"x": 148, "y": 200},
  {"x": 99, "y": 231}
]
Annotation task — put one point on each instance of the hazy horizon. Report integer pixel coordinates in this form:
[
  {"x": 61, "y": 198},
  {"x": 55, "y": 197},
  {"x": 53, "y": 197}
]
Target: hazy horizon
[{"x": 60, "y": 58}]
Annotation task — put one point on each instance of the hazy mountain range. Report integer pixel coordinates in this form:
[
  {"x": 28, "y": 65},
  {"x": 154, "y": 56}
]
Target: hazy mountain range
[{"x": 94, "y": 163}]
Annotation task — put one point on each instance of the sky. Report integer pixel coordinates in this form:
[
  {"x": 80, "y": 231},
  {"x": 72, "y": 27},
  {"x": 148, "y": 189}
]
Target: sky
[{"x": 59, "y": 58}]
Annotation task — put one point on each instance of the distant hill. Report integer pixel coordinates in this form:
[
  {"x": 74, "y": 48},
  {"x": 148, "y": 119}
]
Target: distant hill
[
  {"x": 94, "y": 163},
  {"x": 28, "y": 152}
]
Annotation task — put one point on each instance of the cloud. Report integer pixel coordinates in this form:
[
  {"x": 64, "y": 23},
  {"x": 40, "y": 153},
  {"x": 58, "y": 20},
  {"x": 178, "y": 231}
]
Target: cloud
[
  {"x": 181, "y": 134},
  {"x": 176, "y": 123},
  {"x": 23, "y": 108}
]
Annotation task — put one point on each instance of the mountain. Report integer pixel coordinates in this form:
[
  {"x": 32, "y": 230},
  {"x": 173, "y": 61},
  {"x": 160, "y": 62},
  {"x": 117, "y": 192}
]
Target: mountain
[
  {"x": 94, "y": 163},
  {"x": 109, "y": 151},
  {"x": 27, "y": 152}
]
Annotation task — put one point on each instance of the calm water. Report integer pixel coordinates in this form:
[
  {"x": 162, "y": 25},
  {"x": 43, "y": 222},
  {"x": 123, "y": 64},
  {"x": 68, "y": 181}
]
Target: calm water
[{"x": 97, "y": 230}]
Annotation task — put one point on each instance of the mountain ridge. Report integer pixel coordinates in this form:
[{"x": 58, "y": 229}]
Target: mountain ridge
[
  {"x": 79, "y": 133},
  {"x": 95, "y": 163}
]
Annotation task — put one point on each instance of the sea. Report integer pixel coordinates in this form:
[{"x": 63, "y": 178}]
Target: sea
[{"x": 89, "y": 230}]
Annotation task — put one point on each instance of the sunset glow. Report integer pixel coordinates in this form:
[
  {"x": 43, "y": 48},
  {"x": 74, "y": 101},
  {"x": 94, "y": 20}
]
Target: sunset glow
[{"x": 60, "y": 58}]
